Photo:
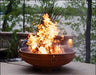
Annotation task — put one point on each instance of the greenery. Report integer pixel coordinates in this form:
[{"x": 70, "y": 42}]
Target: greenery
[
  {"x": 33, "y": 16},
  {"x": 12, "y": 51}
]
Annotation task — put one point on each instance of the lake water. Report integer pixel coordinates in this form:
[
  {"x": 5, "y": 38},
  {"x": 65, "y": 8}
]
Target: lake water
[{"x": 63, "y": 27}]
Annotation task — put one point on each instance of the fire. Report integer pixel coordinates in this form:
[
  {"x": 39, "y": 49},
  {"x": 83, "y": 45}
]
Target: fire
[{"x": 43, "y": 41}]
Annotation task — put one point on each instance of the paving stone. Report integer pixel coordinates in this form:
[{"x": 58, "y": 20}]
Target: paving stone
[{"x": 22, "y": 68}]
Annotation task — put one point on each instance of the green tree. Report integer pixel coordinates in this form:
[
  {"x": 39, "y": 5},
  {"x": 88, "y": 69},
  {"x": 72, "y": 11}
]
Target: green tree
[
  {"x": 81, "y": 10},
  {"x": 11, "y": 14},
  {"x": 34, "y": 14},
  {"x": 93, "y": 33}
]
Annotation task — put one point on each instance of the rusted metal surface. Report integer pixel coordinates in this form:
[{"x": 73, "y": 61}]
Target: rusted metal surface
[
  {"x": 46, "y": 60},
  {"x": 49, "y": 60}
]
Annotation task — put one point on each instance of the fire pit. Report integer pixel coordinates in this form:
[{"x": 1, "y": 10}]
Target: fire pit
[
  {"x": 46, "y": 48},
  {"x": 49, "y": 60}
]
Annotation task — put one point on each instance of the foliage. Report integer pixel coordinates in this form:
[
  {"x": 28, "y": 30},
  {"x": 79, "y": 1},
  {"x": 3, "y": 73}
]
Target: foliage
[
  {"x": 34, "y": 16},
  {"x": 13, "y": 16},
  {"x": 79, "y": 42},
  {"x": 93, "y": 34},
  {"x": 12, "y": 51},
  {"x": 77, "y": 9}
]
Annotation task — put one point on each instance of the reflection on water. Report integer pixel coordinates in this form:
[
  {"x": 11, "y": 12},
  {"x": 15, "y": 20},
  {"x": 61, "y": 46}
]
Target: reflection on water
[{"x": 11, "y": 60}]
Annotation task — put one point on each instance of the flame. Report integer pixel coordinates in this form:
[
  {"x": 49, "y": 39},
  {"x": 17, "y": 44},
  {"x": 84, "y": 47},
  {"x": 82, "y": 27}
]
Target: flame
[{"x": 42, "y": 42}]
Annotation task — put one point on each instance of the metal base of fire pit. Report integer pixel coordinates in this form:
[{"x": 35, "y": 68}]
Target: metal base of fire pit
[{"x": 46, "y": 60}]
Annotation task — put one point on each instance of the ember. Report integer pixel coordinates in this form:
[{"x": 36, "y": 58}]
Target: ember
[{"x": 43, "y": 42}]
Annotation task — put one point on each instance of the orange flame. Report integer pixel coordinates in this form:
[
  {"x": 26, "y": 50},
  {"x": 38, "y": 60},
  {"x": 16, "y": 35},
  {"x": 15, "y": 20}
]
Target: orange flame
[{"x": 42, "y": 42}]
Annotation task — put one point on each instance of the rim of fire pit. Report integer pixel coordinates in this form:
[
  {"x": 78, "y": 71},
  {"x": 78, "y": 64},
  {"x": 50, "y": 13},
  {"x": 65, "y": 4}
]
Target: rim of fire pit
[{"x": 71, "y": 51}]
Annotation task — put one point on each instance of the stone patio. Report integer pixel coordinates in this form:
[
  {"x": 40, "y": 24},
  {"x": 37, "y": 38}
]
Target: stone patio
[{"x": 22, "y": 68}]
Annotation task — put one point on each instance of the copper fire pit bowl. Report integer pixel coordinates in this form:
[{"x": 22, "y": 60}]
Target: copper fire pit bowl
[{"x": 47, "y": 60}]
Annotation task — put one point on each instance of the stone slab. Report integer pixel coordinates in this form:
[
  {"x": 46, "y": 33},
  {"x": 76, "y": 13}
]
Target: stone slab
[{"x": 22, "y": 68}]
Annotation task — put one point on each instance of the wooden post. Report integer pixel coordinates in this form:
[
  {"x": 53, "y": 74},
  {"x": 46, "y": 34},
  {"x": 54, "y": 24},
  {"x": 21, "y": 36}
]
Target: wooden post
[
  {"x": 88, "y": 30},
  {"x": 24, "y": 16}
]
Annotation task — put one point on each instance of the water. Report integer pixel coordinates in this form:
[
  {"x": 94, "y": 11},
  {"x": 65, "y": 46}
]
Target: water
[
  {"x": 63, "y": 27},
  {"x": 11, "y": 60}
]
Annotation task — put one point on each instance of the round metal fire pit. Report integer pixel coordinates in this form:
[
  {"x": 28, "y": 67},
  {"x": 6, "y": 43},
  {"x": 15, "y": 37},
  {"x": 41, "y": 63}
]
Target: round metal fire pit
[{"x": 47, "y": 60}]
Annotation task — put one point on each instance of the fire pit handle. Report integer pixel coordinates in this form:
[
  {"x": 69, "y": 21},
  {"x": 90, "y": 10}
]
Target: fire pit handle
[{"x": 53, "y": 59}]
